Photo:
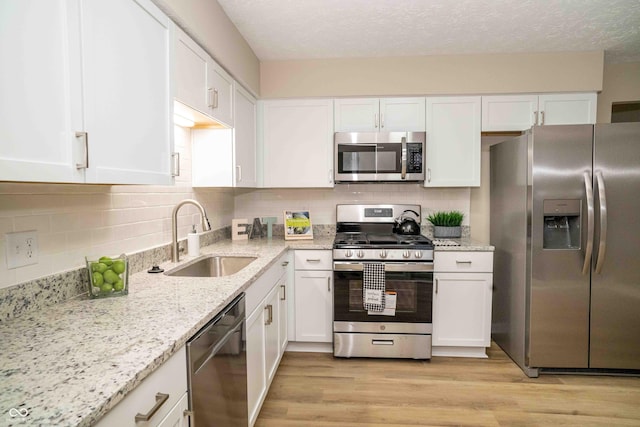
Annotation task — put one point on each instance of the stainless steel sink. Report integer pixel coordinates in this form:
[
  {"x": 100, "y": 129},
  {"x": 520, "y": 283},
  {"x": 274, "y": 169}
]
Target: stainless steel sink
[{"x": 212, "y": 266}]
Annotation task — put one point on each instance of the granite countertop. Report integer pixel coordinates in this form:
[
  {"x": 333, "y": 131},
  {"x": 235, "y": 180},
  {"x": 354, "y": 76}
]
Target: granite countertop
[
  {"x": 70, "y": 363},
  {"x": 462, "y": 244}
]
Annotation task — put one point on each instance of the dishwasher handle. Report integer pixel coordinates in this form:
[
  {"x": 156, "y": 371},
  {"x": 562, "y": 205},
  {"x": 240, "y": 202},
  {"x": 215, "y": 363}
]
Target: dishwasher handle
[{"x": 219, "y": 344}]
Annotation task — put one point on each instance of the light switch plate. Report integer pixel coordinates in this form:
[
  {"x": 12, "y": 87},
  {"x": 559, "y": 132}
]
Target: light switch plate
[{"x": 21, "y": 248}]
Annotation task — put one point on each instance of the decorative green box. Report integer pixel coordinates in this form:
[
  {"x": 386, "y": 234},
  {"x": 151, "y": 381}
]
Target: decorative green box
[{"x": 108, "y": 277}]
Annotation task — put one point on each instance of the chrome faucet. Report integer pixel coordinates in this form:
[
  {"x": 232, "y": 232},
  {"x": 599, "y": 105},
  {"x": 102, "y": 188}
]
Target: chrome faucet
[{"x": 175, "y": 255}]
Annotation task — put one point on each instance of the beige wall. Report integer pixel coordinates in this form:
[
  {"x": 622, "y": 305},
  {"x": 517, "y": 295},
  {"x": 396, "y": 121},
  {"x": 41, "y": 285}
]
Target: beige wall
[
  {"x": 621, "y": 83},
  {"x": 432, "y": 75},
  {"x": 208, "y": 24}
]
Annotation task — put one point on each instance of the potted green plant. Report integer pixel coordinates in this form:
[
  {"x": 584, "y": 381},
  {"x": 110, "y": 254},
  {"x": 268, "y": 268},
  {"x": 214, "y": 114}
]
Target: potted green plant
[{"x": 446, "y": 224}]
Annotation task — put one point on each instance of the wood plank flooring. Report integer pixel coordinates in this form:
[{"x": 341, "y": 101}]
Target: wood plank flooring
[{"x": 318, "y": 390}]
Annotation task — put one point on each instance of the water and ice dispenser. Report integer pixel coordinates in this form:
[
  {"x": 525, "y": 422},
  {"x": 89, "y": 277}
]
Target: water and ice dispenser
[{"x": 561, "y": 224}]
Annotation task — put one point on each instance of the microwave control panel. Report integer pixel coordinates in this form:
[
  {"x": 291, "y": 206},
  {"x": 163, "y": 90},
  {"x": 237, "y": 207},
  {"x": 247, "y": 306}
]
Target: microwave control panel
[{"x": 414, "y": 158}]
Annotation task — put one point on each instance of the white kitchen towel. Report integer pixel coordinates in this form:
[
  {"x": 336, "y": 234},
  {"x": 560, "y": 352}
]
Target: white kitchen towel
[{"x": 373, "y": 286}]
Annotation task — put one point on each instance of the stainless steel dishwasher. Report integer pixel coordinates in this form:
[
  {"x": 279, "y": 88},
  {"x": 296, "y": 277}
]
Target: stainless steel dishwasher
[{"x": 217, "y": 370}]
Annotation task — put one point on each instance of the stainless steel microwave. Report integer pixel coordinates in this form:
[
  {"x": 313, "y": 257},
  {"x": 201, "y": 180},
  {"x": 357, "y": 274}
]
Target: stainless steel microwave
[{"x": 379, "y": 156}]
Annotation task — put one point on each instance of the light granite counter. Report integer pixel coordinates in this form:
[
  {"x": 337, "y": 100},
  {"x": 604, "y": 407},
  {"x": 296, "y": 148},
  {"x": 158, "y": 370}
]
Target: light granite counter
[
  {"x": 463, "y": 244},
  {"x": 70, "y": 363}
]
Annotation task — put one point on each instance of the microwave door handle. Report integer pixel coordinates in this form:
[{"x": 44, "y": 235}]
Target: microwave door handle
[{"x": 404, "y": 158}]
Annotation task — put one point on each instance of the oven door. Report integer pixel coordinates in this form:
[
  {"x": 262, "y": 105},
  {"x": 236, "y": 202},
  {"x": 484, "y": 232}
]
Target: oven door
[{"x": 412, "y": 283}]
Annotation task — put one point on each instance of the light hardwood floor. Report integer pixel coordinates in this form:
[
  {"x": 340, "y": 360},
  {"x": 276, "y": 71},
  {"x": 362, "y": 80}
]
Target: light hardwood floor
[{"x": 318, "y": 390}]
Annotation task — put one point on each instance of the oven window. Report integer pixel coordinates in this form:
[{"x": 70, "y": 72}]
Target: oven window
[
  {"x": 413, "y": 297},
  {"x": 406, "y": 296}
]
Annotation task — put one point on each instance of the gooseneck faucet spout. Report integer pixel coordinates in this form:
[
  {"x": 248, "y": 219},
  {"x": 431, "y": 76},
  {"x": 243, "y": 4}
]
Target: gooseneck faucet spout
[{"x": 206, "y": 226}]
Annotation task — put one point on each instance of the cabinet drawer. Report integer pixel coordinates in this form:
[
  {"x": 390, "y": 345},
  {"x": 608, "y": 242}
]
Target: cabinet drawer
[
  {"x": 463, "y": 261},
  {"x": 313, "y": 260},
  {"x": 169, "y": 379}
]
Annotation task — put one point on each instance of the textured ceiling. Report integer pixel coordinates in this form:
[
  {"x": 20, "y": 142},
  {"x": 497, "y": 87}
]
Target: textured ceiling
[{"x": 298, "y": 29}]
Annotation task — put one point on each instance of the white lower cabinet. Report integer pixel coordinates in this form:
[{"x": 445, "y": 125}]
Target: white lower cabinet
[
  {"x": 313, "y": 296},
  {"x": 177, "y": 417},
  {"x": 161, "y": 398},
  {"x": 462, "y": 291},
  {"x": 266, "y": 336}
]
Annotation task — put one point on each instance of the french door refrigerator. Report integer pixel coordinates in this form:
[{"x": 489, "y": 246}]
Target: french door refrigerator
[{"x": 565, "y": 222}]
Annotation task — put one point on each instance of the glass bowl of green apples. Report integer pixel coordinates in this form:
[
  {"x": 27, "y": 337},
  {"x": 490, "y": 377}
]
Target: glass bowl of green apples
[{"x": 108, "y": 276}]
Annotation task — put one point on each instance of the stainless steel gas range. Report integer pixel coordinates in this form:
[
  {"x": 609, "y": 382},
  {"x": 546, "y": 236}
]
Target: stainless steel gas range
[{"x": 370, "y": 238}]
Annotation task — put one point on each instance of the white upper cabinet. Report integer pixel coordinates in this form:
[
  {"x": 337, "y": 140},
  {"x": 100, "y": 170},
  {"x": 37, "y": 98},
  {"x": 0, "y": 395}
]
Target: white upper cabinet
[
  {"x": 39, "y": 114},
  {"x": 567, "y": 109},
  {"x": 190, "y": 72},
  {"x": 296, "y": 139},
  {"x": 452, "y": 155},
  {"x": 103, "y": 112},
  {"x": 380, "y": 114},
  {"x": 127, "y": 92},
  {"x": 520, "y": 112},
  {"x": 244, "y": 132},
  {"x": 227, "y": 157},
  {"x": 201, "y": 83}
]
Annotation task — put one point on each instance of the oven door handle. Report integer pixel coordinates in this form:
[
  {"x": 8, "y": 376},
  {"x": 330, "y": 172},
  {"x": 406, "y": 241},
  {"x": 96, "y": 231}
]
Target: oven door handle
[{"x": 390, "y": 267}]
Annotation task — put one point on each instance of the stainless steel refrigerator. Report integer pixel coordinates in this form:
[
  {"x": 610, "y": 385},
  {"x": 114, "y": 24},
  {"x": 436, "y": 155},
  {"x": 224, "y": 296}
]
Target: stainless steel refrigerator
[{"x": 565, "y": 222}]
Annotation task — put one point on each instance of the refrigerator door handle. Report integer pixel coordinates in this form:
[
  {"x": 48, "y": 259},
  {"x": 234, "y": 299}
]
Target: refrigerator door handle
[
  {"x": 590, "y": 226},
  {"x": 602, "y": 247}
]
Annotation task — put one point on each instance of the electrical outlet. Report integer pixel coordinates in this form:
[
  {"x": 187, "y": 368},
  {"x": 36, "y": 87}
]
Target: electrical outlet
[{"x": 21, "y": 248}]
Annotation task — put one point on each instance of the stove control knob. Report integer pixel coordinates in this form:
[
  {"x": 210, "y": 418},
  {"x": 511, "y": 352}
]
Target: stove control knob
[
  {"x": 406, "y": 254},
  {"x": 360, "y": 254},
  {"x": 348, "y": 253},
  {"x": 418, "y": 254},
  {"x": 383, "y": 254}
]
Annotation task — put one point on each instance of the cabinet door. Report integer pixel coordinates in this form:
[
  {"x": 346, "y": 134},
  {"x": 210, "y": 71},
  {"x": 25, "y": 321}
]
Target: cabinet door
[
  {"x": 219, "y": 93},
  {"x": 256, "y": 368},
  {"x": 314, "y": 306},
  {"x": 245, "y": 139},
  {"x": 177, "y": 417},
  {"x": 508, "y": 112},
  {"x": 567, "y": 109},
  {"x": 190, "y": 72},
  {"x": 357, "y": 114},
  {"x": 402, "y": 114},
  {"x": 40, "y": 87},
  {"x": 462, "y": 309},
  {"x": 128, "y": 97},
  {"x": 212, "y": 157},
  {"x": 297, "y": 143},
  {"x": 452, "y": 155},
  {"x": 272, "y": 331}
]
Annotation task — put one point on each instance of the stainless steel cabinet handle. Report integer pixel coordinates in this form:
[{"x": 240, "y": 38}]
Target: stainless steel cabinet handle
[
  {"x": 160, "y": 399},
  {"x": 381, "y": 120},
  {"x": 589, "y": 247},
  {"x": 328, "y": 284},
  {"x": 429, "y": 175},
  {"x": 85, "y": 137},
  {"x": 313, "y": 259},
  {"x": 285, "y": 263},
  {"x": 269, "y": 309},
  {"x": 463, "y": 262},
  {"x": 436, "y": 286},
  {"x": 210, "y": 102},
  {"x": 239, "y": 173},
  {"x": 284, "y": 293},
  {"x": 541, "y": 118},
  {"x": 535, "y": 117},
  {"x": 215, "y": 98},
  {"x": 602, "y": 247},
  {"x": 176, "y": 164},
  {"x": 375, "y": 120}
]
